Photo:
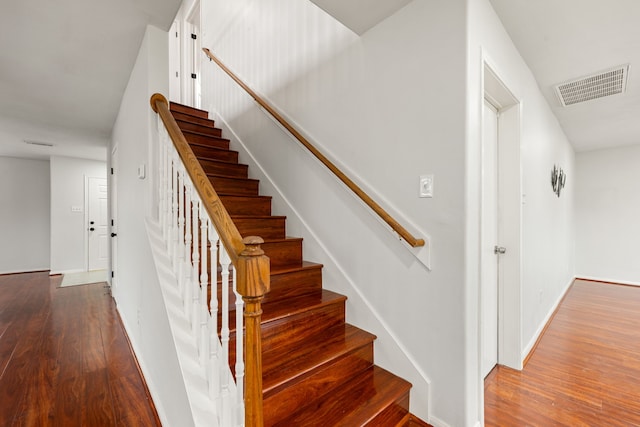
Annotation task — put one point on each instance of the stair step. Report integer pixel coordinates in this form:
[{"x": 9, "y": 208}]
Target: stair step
[
  {"x": 302, "y": 315},
  {"x": 246, "y": 205},
  {"x": 286, "y": 282},
  {"x": 192, "y": 119},
  {"x": 236, "y": 186},
  {"x": 306, "y": 314},
  {"x": 305, "y": 369},
  {"x": 195, "y": 127},
  {"x": 211, "y": 141},
  {"x": 213, "y": 153},
  {"x": 188, "y": 110},
  {"x": 267, "y": 227},
  {"x": 375, "y": 397},
  {"x": 220, "y": 168},
  {"x": 284, "y": 252},
  {"x": 295, "y": 281}
]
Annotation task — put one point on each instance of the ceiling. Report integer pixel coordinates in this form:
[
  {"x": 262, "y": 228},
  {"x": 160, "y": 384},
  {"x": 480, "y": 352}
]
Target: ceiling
[
  {"x": 64, "y": 66},
  {"x": 361, "y": 15},
  {"x": 563, "y": 40}
]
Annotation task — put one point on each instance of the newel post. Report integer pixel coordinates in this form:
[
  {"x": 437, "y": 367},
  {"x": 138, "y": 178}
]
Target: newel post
[{"x": 253, "y": 282}]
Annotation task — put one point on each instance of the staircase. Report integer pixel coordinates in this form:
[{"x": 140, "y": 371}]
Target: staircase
[{"x": 317, "y": 369}]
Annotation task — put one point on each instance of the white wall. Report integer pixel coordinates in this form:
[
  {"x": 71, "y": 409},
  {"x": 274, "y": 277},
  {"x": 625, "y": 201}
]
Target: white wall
[
  {"x": 547, "y": 221},
  {"x": 68, "y": 228},
  {"x": 136, "y": 288},
  {"x": 24, "y": 215},
  {"x": 388, "y": 107},
  {"x": 607, "y": 184}
]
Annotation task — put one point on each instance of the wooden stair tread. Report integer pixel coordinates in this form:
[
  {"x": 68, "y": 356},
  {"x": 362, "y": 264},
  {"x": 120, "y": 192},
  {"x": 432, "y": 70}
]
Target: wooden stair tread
[
  {"x": 306, "y": 265},
  {"x": 357, "y": 402},
  {"x": 200, "y": 144},
  {"x": 174, "y": 106},
  {"x": 204, "y": 135},
  {"x": 279, "y": 309},
  {"x": 299, "y": 357},
  {"x": 204, "y": 124},
  {"x": 259, "y": 217},
  {"x": 211, "y": 159}
]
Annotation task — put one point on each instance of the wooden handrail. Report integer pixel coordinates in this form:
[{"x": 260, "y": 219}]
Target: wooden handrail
[
  {"x": 395, "y": 225},
  {"x": 252, "y": 265}
]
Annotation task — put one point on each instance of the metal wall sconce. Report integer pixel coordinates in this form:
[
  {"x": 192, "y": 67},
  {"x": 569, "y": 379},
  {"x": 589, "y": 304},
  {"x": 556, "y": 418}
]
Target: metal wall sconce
[{"x": 558, "y": 179}]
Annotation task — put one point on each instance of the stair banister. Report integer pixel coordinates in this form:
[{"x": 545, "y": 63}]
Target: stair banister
[
  {"x": 250, "y": 263},
  {"x": 384, "y": 215}
]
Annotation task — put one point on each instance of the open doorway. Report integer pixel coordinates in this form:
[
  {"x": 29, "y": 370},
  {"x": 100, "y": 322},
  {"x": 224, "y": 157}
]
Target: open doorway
[
  {"x": 185, "y": 57},
  {"x": 501, "y": 228}
]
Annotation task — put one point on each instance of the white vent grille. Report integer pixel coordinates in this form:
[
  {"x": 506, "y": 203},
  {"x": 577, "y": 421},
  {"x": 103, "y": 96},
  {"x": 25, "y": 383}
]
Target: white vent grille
[{"x": 605, "y": 83}]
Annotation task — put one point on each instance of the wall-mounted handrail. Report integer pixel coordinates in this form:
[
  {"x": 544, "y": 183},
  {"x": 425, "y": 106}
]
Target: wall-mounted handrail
[
  {"x": 395, "y": 225},
  {"x": 250, "y": 263}
]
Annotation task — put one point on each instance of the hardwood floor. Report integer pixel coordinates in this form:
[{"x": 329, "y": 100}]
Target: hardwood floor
[
  {"x": 585, "y": 370},
  {"x": 64, "y": 357}
]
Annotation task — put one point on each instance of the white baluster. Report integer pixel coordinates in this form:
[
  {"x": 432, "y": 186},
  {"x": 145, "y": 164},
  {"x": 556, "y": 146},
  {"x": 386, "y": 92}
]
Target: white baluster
[
  {"x": 239, "y": 350},
  {"x": 161, "y": 169},
  {"x": 204, "y": 276},
  {"x": 214, "y": 343},
  {"x": 224, "y": 336},
  {"x": 174, "y": 210},
  {"x": 180, "y": 252},
  {"x": 195, "y": 212},
  {"x": 188, "y": 239}
]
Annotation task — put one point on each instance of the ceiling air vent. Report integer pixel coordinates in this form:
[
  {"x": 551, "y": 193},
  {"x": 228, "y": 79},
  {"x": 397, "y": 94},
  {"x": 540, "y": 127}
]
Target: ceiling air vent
[{"x": 605, "y": 83}]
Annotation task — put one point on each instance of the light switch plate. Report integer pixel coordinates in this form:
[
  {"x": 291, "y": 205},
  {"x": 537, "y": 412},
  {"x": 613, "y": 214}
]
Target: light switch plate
[{"x": 426, "y": 185}]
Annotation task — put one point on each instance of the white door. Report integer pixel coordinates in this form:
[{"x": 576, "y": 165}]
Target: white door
[
  {"x": 489, "y": 240},
  {"x": 174, "y": 62},
  {"x": 98, "y": 224},
  {"x": 193, "y": 56}
]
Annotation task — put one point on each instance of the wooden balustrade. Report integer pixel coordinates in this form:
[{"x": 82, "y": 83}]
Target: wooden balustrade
[
  {"x": 193, "y": 215},
  {"x": 393, "y": 223}
]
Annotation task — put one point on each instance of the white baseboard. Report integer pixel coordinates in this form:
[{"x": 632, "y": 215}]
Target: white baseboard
[
  {"x": 546, "y": 320},
  {"x": 33, "y": 270},
  {"x": 604, "y": 279},
  {"x": 55, "y": 272},
  {"x": 145, "y": 373},
  {"x": 437, "y": 422}
]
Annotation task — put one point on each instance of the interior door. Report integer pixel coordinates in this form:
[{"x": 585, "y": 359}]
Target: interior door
[
  {"x": 98, "y": 224},
  {"x": 489, "y": 240}
]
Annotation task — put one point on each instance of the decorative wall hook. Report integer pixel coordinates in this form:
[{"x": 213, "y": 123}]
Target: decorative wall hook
[{"x": 558, "y": 179}]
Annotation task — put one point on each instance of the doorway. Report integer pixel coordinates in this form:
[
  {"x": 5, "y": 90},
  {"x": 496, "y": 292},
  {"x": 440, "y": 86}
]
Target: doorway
[
  {"x": 501, "y": 228},
  {"x": 98, "y": 244},
  {"x": 185, "y": 57}
]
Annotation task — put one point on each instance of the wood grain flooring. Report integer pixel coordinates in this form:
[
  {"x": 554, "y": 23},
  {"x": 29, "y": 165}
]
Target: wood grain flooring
[
  {"x": 585, "y": 370},
  {"x": 64, "y": 357}
]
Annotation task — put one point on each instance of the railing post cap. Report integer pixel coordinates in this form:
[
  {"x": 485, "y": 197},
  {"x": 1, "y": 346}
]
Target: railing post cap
[{"x": 155, "y": 98}]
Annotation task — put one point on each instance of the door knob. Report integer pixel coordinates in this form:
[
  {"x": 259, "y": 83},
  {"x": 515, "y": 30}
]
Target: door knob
[
  {"x": 114, "y": 234},
  {"x": 499, "y": 250},
  {"x": 91, "y": 229}
]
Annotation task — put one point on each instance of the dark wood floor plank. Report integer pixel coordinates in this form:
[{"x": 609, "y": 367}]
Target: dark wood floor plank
[
  {"x": 64, "y": 357},
  {"x": 585, "y": 370}
]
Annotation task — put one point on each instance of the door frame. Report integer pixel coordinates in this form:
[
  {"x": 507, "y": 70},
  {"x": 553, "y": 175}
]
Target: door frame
[{"x": 509, "y": 219}]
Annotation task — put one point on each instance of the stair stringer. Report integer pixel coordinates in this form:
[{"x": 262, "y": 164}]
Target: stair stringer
[
  {"x": 390, "y": 353},
  {"x": 202, "y": 406}
]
